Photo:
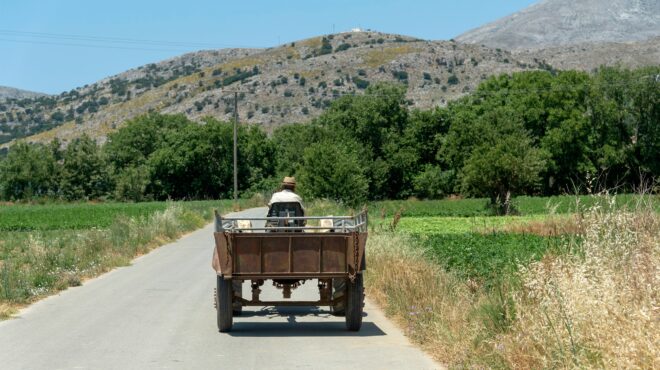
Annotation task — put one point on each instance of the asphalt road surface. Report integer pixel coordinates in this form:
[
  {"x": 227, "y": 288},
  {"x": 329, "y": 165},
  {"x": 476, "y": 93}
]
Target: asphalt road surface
[{"x": 158, "y": 314}]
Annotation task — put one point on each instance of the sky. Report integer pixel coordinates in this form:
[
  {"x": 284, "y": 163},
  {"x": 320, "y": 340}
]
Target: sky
[{"x": 53, "y": 46}]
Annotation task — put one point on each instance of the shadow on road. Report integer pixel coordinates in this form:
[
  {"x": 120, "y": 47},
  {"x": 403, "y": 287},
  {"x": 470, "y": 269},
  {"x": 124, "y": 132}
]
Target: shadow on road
[{"x": 294, "y": 328}]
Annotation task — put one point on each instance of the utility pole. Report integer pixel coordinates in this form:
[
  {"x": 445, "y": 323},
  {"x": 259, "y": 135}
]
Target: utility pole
[{"x": 235, "y": 148}]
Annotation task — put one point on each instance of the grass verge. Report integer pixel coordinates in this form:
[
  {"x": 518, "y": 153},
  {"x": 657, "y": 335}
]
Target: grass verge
[
  {"x": 580, "y": 302},
  {"x": 53, "y": 257}
]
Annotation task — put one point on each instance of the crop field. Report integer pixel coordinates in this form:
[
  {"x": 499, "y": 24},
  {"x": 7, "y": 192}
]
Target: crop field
[
  {"x": 80, "y": 216},
  {"x": 468, "y": 283},
  {"x": 46, "y": 248}
]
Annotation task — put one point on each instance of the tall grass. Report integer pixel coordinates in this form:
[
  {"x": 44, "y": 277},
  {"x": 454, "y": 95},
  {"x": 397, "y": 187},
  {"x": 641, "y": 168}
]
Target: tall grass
[
  {"x": 591, "y": 302},
  {"x": 438, "y": 310},
  {"x": 597, "y": 308}
]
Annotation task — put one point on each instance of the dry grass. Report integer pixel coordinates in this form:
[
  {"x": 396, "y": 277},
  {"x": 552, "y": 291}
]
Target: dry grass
[
  {"x": 375, "y": 58},
  {"x": 550, "y": 226},
  {"x": 42, "y": 265},
  {"x": 598, "y": 308},
  {"x": 594, "y": 306},
  {"x": 433, "y": 306}
]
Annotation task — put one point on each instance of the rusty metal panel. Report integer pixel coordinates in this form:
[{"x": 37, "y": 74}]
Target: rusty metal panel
[
  {"x": 222, "y": 262},
  {"x": 362, "y": 244},
  {"x": 334, "y": 254},
  {"x": 306, "y": 252},
  {"x": 247, "y": 257},
  {"x": 275, "y": 254}
]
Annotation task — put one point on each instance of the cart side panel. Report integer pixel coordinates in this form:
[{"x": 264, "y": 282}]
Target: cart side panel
[
  {"x": 334, "y": 254},
  {"x": 275, "y": 254},
  {"x": 362, "y": 244},
  {"x": 287, "y": 253},
  {"x": 247, "y": 255},
  {"x": 356, "y": 241},
  {"x": 222, "y": 261},
  {"x": 306, "y": 252}
]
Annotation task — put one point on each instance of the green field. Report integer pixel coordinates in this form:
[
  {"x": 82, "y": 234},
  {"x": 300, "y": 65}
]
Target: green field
[
  {"x": 46, "y": 248},
  {"x": 524, "y": 205},
  {"x": 524, "y": 291},
  {"x": 464, "y": 237},
  {"x": 80, "y": 216}
]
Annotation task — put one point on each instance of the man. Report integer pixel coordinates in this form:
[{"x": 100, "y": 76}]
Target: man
[
  {"x": 286, "y": 203},
  {"x": 287, "y": 194}
]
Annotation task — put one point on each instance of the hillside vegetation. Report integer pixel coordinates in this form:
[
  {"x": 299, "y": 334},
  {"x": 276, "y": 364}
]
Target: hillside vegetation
[
  {"x": 291, "y": 83},
  {"x": 528, "y": 133}
]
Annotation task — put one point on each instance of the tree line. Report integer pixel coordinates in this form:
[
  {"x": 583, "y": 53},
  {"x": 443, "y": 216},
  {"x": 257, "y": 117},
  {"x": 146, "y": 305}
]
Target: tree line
[{"x": 534, "y": 133}]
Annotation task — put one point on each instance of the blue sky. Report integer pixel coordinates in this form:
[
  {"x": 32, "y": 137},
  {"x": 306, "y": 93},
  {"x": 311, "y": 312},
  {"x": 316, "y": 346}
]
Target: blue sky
[{"x": 56, "y": 45}]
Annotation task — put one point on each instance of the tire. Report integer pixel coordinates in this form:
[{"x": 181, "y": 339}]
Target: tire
[
  {"x": 224, "y": 304},
  {"x": 354, "y": 303},
  {"x": 339, "y": 291}
]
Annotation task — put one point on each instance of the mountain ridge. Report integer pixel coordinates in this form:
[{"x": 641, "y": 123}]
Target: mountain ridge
[
  {"x": 552, "y": 23},
  {"x": 293, "y": 82},
  {"x": 7, "y": 92}
]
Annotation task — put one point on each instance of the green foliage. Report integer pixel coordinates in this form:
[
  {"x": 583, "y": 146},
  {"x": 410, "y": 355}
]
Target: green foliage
[
  {"x": 525, "y": 133},
  {"x": 503, "y": 163},
  {"x": 488, "y": 257},
  {"x": 333, "y": 170},
  {"x": 326, "y": 47},
  {"x": 196, "y": 162},
  {"x": 433, "y": 183},
  {"x": 400, "y": 75},
  {"x": 134, "y": 142},
  {"x": 240, "y": 76},
  {"x": 85, "y": 172},
  {"x": 131, "y": 183},
  {"x": 342, "y": 47},
  {"x": 360, "y": 83},
  {"x": 29, "y": 171}
]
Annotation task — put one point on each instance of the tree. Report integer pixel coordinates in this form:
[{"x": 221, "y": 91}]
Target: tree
[
  {"x": 196, "y": 162},
  {"x": 29, "y": 171},
  {"x": 85, "y": 172},
  {"x": 503, "y": 166},
  {"x": 131, "y": 183},
  {"x": 333, "y": 170},
  {"x": 134, "y": 142}
]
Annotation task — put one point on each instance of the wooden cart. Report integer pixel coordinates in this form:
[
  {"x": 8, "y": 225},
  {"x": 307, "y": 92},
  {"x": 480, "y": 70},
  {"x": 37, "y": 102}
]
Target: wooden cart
[{"x": 333, "y": 254}]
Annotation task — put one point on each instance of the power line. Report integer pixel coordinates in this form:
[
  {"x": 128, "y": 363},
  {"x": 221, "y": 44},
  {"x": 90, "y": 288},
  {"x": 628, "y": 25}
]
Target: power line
[
  {"x": 103, "y": 40},
  {"x": 91, "y": 46}
]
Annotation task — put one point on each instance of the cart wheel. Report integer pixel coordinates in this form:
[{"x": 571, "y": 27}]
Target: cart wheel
[
  {"x": 339, "y": 291},
  {"x": 224, "y": 304},
  {"x": 354, "y": 303}
]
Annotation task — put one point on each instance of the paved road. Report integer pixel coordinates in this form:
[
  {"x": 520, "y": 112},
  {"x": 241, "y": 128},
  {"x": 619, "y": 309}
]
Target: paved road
[{"x": 158, "y": 314}]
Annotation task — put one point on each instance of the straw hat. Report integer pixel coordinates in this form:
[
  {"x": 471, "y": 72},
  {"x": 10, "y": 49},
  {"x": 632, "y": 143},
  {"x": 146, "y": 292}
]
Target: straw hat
[{"x": 289, "y": 181}]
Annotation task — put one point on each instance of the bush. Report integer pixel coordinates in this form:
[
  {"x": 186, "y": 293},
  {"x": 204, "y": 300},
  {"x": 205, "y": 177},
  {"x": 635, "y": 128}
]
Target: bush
[
  {"x": 453, "y": 80},
  {"x": 360, "y": 83},
  {"x": 400, "y": 75},
  {"x": 433, "y": 183},
  {"x": 342, "y": 47}
]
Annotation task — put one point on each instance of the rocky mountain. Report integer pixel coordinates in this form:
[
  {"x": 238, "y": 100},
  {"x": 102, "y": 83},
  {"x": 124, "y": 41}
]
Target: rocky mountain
[
  {"x": 13, "y": 93},
  {"x": 290, "y": 83},
  {"x": 553, "y": 23}
]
